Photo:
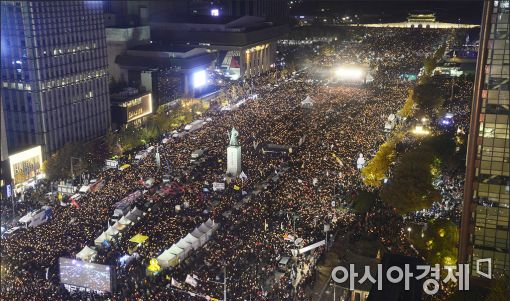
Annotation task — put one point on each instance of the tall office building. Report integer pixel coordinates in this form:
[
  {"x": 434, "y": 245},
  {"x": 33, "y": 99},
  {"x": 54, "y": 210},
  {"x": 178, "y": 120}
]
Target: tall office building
[
  {"x": 54, "y": 73},
  {"x": 485, "y": 229}
]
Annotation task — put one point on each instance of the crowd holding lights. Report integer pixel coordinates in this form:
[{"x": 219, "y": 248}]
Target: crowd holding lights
[{"x": 344, "y": 120}]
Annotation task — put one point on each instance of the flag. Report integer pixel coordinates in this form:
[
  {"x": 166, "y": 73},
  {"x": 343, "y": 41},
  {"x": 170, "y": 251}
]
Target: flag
[
  {"x": 191, "y": 281},
  {"x": 195, "y": 276},
  {"x": 243, "y": 176},
  {"x": 175, "y": 283},
  {"x": 236, "y": 187}
]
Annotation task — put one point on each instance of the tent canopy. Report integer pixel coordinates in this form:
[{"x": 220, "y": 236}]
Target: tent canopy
[
  {"x": 167, "y": 259},
  {"x": 211, "y": 224},
  {"x": 86, "y": 254},
  {"x": 134, "y": 214},
  {"x": 119, "y": 226},
  {"x": 195, "y": 242},
  {"x": 139, "y": 238},
  {"x": 111, "y": 231},
  {"x": 124, "y": 221},
  {"x": 308, "y": 101},
  {"x": 98, "y": 241},
  {"x": 197, "y": 233},
  {"x": 175, "y": 250}
]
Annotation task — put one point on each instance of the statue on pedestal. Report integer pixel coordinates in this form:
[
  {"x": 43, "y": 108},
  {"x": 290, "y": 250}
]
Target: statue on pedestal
[
  {"x": 234, "y": 154},
  {"x": 233, "y": 138}
]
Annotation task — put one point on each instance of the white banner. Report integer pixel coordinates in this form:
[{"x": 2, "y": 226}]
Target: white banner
[
  {"x": 111, "y": 163},
  {"x": 218, "y": 186},
  {"x": 312, "y": 246},
  {"x": 191, "y": 281}
]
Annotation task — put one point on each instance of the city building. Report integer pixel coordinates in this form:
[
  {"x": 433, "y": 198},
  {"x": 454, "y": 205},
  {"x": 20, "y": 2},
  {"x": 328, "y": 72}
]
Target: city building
[
  {"x": 130, "y": 13},
  {"x": 118, "y": 40},
  {"x": 245, "y": 46},
  {"x": 169, "y": 72},
  {"x": 54, "y": 73},
  {"x": 130, "y": 107},
  {"x": 485, "y": 229}
]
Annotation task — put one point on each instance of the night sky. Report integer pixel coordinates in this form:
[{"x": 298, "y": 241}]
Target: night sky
[{"x": 390, "y": 11}]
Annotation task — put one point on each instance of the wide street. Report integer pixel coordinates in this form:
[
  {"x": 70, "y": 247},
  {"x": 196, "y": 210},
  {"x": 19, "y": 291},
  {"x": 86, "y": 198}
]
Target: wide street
[{"x": 287, "y": 194}]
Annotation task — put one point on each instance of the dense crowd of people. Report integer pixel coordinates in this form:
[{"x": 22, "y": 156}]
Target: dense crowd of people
[{"x": 287, "y": 195}]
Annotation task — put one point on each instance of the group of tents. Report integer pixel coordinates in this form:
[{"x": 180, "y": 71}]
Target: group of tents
[
  {"x": 125, "y": 221},
  {"x": 193, "y": 241},
  {"x": 88, "y": 253}
]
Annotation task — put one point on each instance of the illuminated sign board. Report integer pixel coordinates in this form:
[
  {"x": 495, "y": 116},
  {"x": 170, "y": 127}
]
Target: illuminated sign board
[
  {"x": 24, "y": 165},
  {"x": 139, "y": 107}
]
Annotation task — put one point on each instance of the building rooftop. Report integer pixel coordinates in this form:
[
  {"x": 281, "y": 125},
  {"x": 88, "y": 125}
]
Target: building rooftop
[
  {"x": 163, "y": 48},
  {"x": 126, "y": 95},
  {"x": 201, "y": 19}
]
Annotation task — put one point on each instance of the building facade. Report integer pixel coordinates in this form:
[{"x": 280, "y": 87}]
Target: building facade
[
  {"x": 246, "y": 46},
  {"x": 167, "y": 71},
  {"x": 130, "y": 107},
  {"x": 54, "y": 73},
  {"x": 485, "y": 219}
]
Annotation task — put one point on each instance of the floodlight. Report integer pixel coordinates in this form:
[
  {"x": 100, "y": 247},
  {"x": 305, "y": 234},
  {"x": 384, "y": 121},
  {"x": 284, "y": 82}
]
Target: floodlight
[{"x": 199, "y": 79}]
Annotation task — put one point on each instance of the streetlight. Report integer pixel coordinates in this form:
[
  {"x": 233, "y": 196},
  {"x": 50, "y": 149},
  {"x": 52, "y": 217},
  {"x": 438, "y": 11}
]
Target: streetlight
[
  {"x": 326, "y": 230},
  {"x": 409, "y": 231},
  {"x": 224, "y": 282}
]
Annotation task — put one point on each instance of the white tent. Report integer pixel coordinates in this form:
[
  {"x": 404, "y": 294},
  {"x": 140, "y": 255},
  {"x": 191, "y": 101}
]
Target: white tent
[
  {"x": 167, "y": 259},
  {"x": 185, "y": 246},
  {"x": 119, "y": 226},
  {"x": 308, "y": 102},
  {"x": 134, "y": 215},
  {"x": 193, "y": 241},
  {"x": 99, "y": 240},
  {"x": 124, "y": 221},
  {"x": 111, "y": 231},
  {"x": 206, "y": 230},
  {"x": 86, "y": 254},
  {"x": 174, "y": 249},
  {"x": 211, "y": 224},
  {"x": 200, "y": 235}
]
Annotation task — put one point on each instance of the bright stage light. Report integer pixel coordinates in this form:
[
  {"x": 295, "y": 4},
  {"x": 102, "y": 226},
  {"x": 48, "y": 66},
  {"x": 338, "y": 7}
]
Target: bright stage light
[
  {"x": 199, "y": 79},
  {"x": 349, "y": 73},
  {"x": 215, "y": 12}
]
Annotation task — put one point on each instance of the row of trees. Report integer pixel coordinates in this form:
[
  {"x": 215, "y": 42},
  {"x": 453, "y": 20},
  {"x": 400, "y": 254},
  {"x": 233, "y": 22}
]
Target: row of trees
[
  {"x": 411, "y": 187},
  {"x": 377, "y": 168},
  {"x": 90, "y": 156}
]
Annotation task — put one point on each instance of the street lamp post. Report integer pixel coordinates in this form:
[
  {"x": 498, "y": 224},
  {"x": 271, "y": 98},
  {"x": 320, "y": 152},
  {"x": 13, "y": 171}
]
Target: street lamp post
[{"x": 326, "y": 229}]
